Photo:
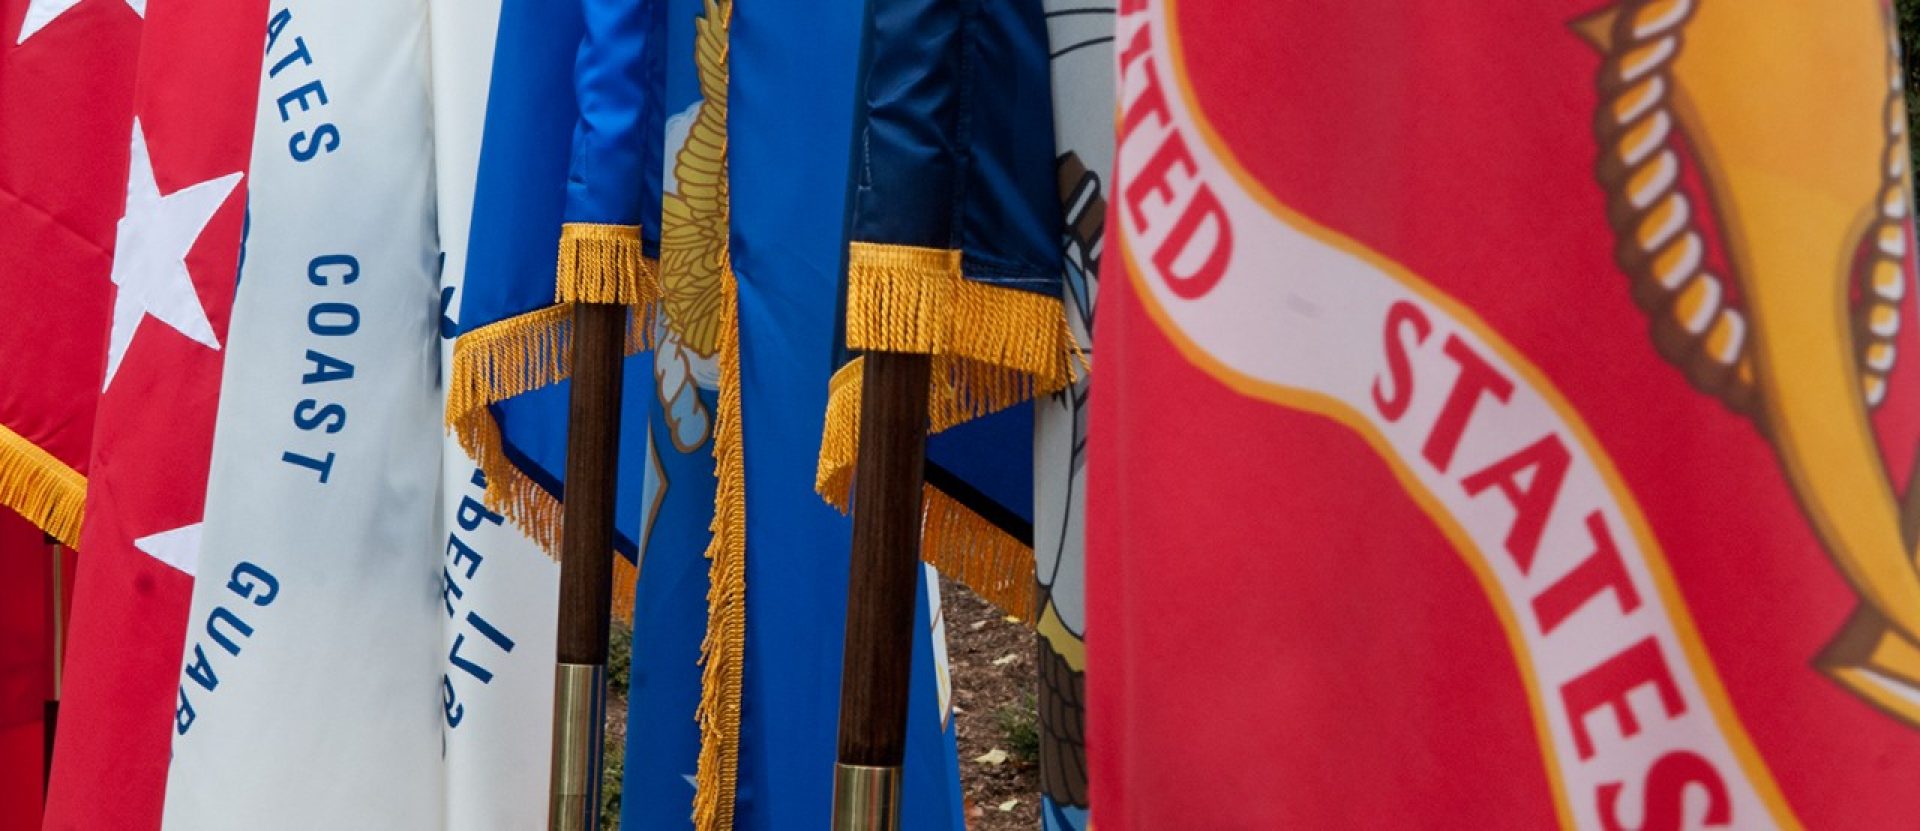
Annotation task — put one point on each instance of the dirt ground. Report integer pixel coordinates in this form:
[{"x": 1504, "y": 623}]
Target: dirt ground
[{"x": 993, "y": 688}]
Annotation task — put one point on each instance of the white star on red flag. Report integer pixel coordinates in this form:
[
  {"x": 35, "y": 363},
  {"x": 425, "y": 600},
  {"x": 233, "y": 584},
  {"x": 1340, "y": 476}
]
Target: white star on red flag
[
  {"x": 42, "y": 12},
  {"x": 150, "y": 255},
  {"x": 179, "y": 547}
]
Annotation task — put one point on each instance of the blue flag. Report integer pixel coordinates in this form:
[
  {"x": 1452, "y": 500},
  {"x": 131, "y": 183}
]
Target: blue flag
[
  {"x": 794, "y": 68},
  {"x": 953, "y": 251},
  {"x": 749, "y": 260},
  {"x": 572, "y": 160},
  {"x": 607, "y": 139},
  {"x": 670, "y": 612},
  {"x": 572, "y": 136}
]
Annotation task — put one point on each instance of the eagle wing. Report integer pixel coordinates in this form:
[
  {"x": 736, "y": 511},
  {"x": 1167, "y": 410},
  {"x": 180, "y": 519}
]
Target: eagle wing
[{"x": 693, "y": 233}]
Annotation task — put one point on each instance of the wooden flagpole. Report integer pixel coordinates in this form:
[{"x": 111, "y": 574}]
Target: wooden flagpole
[
  {"x": 57, "y": 630},
  {"x": 586, "y": 566},
  {"x": 887, "y": 484}
]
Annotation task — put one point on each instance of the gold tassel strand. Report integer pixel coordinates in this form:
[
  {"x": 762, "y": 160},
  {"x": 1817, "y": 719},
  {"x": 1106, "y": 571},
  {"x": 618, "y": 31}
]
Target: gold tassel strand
[
  {"x": 41, "y": 488},
  {"x": 723, "y": 652}
]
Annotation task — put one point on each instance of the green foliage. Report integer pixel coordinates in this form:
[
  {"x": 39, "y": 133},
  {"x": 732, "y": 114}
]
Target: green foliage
[
  {"x": 619, "y": 660},
  {"x": 1020, "y": 726},
  {"x": 613, "y": 760},
  {"x": 613, "y": 766}
]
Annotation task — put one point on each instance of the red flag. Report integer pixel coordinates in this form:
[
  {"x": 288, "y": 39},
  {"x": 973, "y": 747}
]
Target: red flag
[
  {"x": 173, "y": 275},
  {"x": 66, "y": 90},
  {"x": 26, "y": 664},
  {"x": 1507, "y": 419}
]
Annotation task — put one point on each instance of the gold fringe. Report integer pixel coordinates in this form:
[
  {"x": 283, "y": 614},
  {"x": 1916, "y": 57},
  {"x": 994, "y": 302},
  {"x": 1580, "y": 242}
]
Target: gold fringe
[
  {"x": 41, "y": 488},
  {"x": 953, "y": 538},
  {"x": 724, "y": 647},
  {"x": 624, "y": 575},
  {"x": 508, "y": 358},
  {"x": 998, "y": 346},
  {"x": 640, "y": 323},
  {"x": 977, "y": 553},
  {"x": 496, "y": 362},
  {"x": 723, "y": 652},
  {"x": 527, "y": 505},
  {"x": 521, "y": 354},
  {"x": 992, "y": 347},
  {"x": 840, "y": 443},
  {"x": 840, "y": 439},
  {"x": 604, "y": 264}
]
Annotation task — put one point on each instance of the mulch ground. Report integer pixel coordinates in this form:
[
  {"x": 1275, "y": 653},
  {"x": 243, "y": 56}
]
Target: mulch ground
[{"x": 993, "y": 688}]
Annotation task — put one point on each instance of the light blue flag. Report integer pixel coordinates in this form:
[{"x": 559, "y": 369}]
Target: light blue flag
[
  {"x": 572, "y": 131},
  {"x": 571, "y": 159}
]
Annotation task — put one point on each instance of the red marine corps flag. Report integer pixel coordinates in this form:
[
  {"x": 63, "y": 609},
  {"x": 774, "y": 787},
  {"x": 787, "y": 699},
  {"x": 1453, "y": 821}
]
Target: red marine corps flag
[
  {"x": 1509, "y": 417},
  {"x": 176, "y": 254}
]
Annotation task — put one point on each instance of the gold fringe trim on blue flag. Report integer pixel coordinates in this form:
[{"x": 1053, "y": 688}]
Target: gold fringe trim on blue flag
[
  {"x": 996, "y": 346},
  {"x": 701, "y": 305},
  {"x": 833, "y": 478},
  {"x": 626, "y": 576},
  {"x": 509, "y": 491},
  {"x": 979, "y": 554},
  {"x": 992, "y": 347},
  {"x": 596, "y": 264},
  {"x": 604, "y": 264},
  {"x": 960, "y": 543},
  {"x": 723, "y": 651},
  {"x": 529, "y": 507},
  {"x": 41, "y": 488}
]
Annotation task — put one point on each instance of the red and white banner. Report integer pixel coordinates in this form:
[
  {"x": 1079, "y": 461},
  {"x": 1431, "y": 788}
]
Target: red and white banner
[
  {"x": 1507, "y": 419},
  {"x": 177, "y": 249}
]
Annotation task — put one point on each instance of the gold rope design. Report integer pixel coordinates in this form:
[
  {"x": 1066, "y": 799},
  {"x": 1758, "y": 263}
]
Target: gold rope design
[
  {"x": 702, "y": 307},
  {"x": 1660, "y": 240},
  {"x": 1661, "y": 246},
  {"x": 41, "y": 488},
  {"x": 1883, "y": 281}
]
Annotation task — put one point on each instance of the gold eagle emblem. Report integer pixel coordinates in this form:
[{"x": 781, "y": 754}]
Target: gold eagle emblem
[
  {"x": 693, "y": 221},
  {"x": 1757, "y": 189}
]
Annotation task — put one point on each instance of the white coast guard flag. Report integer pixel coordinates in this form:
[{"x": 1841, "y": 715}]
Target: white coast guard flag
[
  {"x": 495, "y": 698},
  {"x": 310, "y": 696}
]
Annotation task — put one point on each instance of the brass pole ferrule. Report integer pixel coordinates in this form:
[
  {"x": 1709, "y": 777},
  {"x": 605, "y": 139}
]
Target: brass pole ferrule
[
  {"x": 579, "y": 716},
  {"x": 866, "y": 798}
]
